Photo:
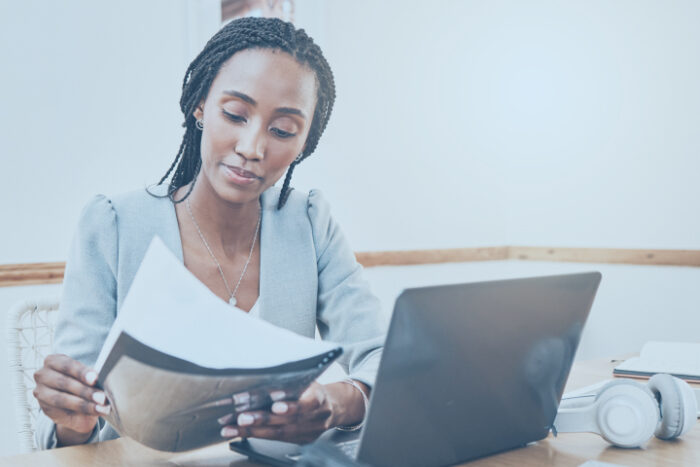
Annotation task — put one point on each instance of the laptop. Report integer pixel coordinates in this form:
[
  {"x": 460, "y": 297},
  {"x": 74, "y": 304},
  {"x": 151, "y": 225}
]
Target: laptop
[{"x": 468, "y": 370}]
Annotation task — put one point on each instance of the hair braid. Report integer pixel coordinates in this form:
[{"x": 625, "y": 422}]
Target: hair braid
[
  {"x": 284, "y": 194},
  {"x": 241, "y": 34}
]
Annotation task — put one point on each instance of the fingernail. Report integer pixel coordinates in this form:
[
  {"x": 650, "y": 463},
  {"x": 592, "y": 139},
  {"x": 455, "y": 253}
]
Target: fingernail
[
  {"x": 277, "y": 395},
  {"x": 91, "y": 377},
  {"x": 225, "y": 419},
  {"x": 245, "y": 419},
  {"x": 280, "y": 407},
  {"x": 103, "y": 409},
  {"x": 99, "y": 397},
  {"x": 241, "y": 398},
  {"x": 228, "y": 432}
]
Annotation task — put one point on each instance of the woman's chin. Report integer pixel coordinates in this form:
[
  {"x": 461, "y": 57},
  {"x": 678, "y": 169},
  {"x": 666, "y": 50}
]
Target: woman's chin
[{"x": 239, "y": 195}]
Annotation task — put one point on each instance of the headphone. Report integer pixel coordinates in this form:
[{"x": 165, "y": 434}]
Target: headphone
[{"x": 627, "y": 413}]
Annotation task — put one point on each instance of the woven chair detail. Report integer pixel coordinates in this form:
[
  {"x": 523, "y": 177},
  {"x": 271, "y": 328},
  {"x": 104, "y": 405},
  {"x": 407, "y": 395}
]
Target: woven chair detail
[{"x": 31, "y": 328}]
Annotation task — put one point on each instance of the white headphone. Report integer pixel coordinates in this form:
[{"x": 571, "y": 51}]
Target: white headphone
[{"x": 627, "y": 413}]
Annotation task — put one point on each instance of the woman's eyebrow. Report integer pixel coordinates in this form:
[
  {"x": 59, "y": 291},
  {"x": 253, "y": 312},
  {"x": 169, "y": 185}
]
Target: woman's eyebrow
[
  {"x": 251, "y": 101},
  {"x": 291, "y": 111},
  {"x": 241, "y": 96}
]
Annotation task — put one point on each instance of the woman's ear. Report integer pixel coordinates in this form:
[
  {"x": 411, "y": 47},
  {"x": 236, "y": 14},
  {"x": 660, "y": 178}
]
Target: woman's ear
[{"x": 198, "y": 112}]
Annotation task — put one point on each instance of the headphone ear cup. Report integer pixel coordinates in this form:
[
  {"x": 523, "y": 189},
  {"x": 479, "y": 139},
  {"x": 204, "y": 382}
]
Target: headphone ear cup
[
  {"x": 627, "y": 413},
  {"x": 678, "y": 405}
]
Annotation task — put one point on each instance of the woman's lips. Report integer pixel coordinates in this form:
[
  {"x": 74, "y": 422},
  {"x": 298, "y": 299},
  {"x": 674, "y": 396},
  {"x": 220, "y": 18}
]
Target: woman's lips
[{"x": 240, "y": 176}]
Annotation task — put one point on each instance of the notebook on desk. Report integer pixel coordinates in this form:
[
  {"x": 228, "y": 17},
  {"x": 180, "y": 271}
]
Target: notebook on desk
[
  {"x": 468, "y": 370},
  {"x": 680, "y": 359}
]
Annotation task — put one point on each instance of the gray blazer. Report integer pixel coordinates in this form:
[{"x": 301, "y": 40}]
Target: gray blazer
[{"x": 308, "y": 277}]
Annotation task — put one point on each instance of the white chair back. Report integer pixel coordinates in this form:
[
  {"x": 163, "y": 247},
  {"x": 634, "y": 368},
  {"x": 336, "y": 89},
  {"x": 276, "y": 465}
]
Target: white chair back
[{"x": 31, "y": 329}]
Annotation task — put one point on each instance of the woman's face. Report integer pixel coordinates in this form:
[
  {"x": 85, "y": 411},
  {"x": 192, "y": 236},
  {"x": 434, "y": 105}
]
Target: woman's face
[{"x": 256, "y": 119}]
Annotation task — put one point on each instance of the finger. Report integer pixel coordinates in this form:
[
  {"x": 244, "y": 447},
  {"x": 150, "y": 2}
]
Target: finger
[
  {"x": 63, "y": 383},
  {"x": 66, "y": 365},
  {"x": 250, "y": 400},
  {"x": 78, "y": 422},
  {"x": 62, "y": 400},
  {"x": 262, "y": 417},
  {"x": 285, "y": 408},
  {"x": 278, "y": 395}
]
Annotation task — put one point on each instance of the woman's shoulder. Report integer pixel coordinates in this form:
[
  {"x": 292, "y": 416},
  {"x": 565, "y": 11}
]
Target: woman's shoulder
[
  {"x": 142, "y": 202},
  {"x": 136, "y": 211}
]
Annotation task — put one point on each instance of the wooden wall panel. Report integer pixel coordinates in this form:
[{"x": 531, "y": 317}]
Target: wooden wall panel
[
  {"x": 52, "y": 273},
  {"x": 31, "y": 274},
  {"x": 410, "y": 257},
  {"x": 607, "y": 255}
]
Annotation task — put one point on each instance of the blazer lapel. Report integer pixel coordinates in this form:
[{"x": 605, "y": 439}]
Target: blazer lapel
[{"x": 287, "y": 295}]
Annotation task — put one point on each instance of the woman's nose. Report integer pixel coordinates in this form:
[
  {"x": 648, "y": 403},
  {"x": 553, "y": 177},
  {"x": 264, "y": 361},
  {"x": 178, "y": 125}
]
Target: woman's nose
[{"x": 251, "y": 143}]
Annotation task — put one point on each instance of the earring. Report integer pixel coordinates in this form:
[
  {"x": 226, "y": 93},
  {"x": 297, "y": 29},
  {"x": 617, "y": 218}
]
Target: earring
[
  {"x": 299, "y": 158},
  {"x": 199, "y": 124}
]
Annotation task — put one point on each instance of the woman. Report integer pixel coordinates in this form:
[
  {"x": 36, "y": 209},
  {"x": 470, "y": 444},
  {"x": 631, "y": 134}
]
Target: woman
[{"x": 256, "y": 101}]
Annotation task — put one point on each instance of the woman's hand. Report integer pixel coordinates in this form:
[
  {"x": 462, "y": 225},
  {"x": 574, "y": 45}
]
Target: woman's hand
[
  {"x": 300, "y": 421},
  {"x": 66, "y": 393}
]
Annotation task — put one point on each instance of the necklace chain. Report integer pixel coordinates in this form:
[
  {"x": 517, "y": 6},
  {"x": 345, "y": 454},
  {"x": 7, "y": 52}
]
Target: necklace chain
[{"x": 232, "y": 295}]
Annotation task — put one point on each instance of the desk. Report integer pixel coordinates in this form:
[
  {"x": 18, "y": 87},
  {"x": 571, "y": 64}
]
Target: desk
[{"x": 569, "y": 449}]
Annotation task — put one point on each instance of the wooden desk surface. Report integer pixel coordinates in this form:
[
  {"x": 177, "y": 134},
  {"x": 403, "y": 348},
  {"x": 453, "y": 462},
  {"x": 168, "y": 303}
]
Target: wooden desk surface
[{"x": 569, "y": 449}]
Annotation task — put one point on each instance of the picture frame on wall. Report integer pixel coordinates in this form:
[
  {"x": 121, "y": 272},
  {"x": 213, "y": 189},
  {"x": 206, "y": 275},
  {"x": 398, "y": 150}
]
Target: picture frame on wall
[{"x": 282, "y": 9}]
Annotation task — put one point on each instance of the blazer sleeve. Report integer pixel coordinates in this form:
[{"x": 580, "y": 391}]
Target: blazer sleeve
[
  {"x": 89, "y": 298},
  {"x": 347, "y": 311}
]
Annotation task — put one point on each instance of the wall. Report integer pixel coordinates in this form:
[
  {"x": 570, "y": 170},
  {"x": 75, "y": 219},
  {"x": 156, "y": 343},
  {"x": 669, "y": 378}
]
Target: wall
[
  {"x": 508, "y": 122},
  {"x": 90, "y": 94}
]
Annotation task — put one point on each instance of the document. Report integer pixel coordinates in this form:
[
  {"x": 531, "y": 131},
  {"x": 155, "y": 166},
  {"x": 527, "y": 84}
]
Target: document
[
  {"x": 177, "y": 354},
  {"x": 681, "y": 359}
]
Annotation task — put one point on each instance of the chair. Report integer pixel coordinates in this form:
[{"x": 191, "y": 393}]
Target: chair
[{"x": 31, "y": 328}]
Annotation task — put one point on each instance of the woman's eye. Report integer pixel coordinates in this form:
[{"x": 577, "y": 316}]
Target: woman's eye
[
  {"x": 281, "y": 133},
  {"x": 234, "y": 117}
]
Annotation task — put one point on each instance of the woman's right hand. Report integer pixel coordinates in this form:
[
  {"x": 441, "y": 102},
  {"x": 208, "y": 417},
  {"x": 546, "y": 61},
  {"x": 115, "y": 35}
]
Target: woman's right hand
[{"x": 66, "y": 393}]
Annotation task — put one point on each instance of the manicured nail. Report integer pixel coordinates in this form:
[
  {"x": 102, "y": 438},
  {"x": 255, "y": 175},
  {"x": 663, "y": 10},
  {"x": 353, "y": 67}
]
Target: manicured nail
[
  {"x": 241, "y": 398},
  {"x": 280, "y": 407},
  {"x": 229, "y": 432},
  {"x": 225, "y": 419},
  {"x": 277, "y": 395},
  {"x": 99, "y": 397},
  {"x": 103, "y": 409},
  {"x": 91, "y": 377},
  {"x": 245, "y": 419}
]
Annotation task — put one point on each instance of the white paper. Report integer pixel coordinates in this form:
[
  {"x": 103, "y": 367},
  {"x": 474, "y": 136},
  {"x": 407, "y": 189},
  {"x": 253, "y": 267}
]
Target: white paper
[{"x": 170, "y": 310}]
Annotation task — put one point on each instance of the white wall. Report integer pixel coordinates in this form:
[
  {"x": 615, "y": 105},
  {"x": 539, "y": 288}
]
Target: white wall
[
  {"x": 464, "y": 123},
  {"x": 457, "y": 123},
  {"x": 90, "y": 94}
]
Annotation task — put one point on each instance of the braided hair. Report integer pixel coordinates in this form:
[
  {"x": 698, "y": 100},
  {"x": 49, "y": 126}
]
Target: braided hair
[{"x": 241, "y": 34}]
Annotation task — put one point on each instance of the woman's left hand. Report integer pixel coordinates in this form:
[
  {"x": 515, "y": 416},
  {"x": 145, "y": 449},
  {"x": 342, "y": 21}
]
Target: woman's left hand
[{"x": 295, "y": 421}]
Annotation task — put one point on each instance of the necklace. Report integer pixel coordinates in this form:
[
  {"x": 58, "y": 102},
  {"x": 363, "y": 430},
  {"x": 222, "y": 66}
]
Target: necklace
[{"x": 232, "y": 295}]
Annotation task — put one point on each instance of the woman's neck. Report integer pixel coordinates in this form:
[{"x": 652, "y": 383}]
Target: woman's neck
[{"x": 225, "y": 225}]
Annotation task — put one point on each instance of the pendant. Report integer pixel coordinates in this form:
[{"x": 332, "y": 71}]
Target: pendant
[{"x": 232, "y": 301}]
